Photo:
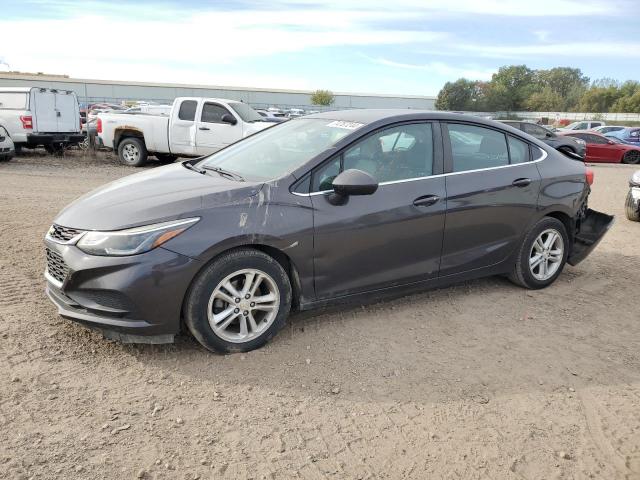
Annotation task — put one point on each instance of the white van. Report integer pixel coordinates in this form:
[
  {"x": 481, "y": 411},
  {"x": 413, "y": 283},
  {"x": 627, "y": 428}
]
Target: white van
[{"x": 36, "y": 116}]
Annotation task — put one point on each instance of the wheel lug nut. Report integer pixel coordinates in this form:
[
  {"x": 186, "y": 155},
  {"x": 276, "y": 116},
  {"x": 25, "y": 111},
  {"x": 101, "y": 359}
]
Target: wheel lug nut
[
  {"x": 247, "y": 296},
  {"x": 253, "y": 304},
  {"x": 237, "y": 300},
  {"x": 245, "y": 313},
  {"x": 236, "y": 310}
]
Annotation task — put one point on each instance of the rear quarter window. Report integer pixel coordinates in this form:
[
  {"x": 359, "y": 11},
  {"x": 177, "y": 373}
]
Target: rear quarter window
[{"x": 14, "y": 101}]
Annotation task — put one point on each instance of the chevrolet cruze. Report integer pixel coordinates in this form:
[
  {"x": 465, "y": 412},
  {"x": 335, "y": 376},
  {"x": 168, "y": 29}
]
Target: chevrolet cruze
[{"x": 332, "y": 207}]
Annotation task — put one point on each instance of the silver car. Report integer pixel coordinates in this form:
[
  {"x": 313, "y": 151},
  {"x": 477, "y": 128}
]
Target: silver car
[{"x": 7, "y": 149}]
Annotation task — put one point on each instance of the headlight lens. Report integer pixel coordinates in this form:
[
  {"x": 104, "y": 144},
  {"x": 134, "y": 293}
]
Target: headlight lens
[
  {"x": 579, "y": 141},
  {"x": 134, "y": 240},
  {"x": 635, "y": 178}
]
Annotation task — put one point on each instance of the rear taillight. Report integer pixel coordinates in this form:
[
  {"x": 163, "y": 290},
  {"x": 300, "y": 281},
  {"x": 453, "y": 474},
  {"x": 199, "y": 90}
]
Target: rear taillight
[
  {"x": 589, "y": 176},
  {"x": 27, "y": 122},
  {"x": 99, "y": 125}
]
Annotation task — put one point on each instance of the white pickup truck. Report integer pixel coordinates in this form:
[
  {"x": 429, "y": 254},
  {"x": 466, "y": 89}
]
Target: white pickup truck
[
  {"x": 35, "y": 116},
  {"x": 195, "y": 127}
]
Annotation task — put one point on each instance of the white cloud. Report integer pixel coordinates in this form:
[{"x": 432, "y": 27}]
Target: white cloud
[
  {"x": 441, "y": 69},
  {"x": 569, "y": 49},
  {"x": 542, "y": 35}
]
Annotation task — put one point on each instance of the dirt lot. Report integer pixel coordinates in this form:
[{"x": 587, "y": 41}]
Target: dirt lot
[{"x": 481, "y": 380}]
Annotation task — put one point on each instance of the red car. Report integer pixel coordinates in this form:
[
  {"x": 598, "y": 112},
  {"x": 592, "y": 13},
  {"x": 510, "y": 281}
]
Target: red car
[{"x": 606, "y": 149}]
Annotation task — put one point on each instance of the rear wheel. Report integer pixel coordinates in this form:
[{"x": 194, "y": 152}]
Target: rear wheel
[
  {"x": 632, "y": 157},
  {"x": 55, "y": 149},
  {"x": 542, "y": 256},
  {"x": 239, "y": 302},
  {"x": 631, "y": 208},
  {"x": 132, "y": 152}
]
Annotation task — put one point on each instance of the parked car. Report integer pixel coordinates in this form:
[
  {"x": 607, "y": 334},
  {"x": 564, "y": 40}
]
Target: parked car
[
  {"x": 272, "y": 117},
  {"x": 584, "y": 125},
  {"x": 335, "y": 207},
  {"x": 36, "y": 116},
  {"x": 195, "y": 126},
  {"x": 295, "y": 112},
  {"x": 559, "y": 142},
  {"x": 632, "y": 203},
  {"x": 607, "y": 129},
  {"x": 630, "y": 135},
  {"x": 7, "y": 149},
  {"x": 605, "y": 149}
]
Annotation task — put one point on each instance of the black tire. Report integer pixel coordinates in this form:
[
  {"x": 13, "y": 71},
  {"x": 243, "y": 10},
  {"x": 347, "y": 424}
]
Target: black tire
[
  {"x": 631, "y": 209},
  {"x": 18, "y": 149},
  {"x": 55, "y": 149},
  {"x": 521, "y": 273},
  {"x": 197, "y": 300},
  {"x": 132, "y": 144},
  {"x": 632, "y": 157},
  {"x": 165, "y": 157}
]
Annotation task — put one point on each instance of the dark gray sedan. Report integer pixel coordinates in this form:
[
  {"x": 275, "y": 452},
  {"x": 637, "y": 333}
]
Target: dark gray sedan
[{"x": 332, "y": 207}]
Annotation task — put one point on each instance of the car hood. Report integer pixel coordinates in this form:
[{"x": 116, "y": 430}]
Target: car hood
[{"x": 164, "y": 193}]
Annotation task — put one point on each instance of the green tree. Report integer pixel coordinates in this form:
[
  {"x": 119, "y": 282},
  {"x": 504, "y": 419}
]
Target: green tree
[
  {"x": 627, "y": 104},
  {"x": 322, "y": 97},
  {"x": 510, "y": 88},
  {"x": 598, "y": 99},
  {"x": 546, "y": 100},
  {"x": 567, "y": 84},
  {"x": 462, "y": 94}
]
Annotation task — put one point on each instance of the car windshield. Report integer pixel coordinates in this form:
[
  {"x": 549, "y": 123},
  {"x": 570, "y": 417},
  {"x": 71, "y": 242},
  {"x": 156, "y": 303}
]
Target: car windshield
[
  {"x": 278, "y": 150},
  {"x": 245, "y": 112}
]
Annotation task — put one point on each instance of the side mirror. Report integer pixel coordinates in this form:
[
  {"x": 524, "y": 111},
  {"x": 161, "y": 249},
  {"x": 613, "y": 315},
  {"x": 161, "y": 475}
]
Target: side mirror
[
  {"x": 548, "y": 134},
  {"x": 228, "y": 118},
  {"x": 354, "y": 182},
  {"x": 611, "y": 142}
]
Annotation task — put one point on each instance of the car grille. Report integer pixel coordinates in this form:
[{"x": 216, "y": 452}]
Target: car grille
[
  {"x": 56, "y": 266},
  {"x": 63, "y": 234}
]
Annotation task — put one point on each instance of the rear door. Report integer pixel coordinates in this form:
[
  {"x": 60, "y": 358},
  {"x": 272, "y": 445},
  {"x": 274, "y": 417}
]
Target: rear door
[
  {"x": 182, "y": 127},
  {"x": 393, "y": 236},
  {"x": 67, "y": 112},
  {"x": 214, "y": 134},
  {"x": 492, "y": 193},
  {"x": 43, "y": 110}
]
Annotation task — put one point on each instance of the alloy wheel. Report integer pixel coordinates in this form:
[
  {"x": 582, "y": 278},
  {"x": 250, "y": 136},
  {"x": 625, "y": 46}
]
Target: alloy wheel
[
  {"x": 243, "y": 305},
  {"x": 547, "y": 252},
  {"x": 632, "y": 157},
  {"x": 130, "y": 153}
]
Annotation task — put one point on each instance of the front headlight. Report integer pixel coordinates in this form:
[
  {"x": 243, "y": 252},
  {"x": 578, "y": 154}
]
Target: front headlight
[
  {"x": 579, "y": 141},
  {"x": 635, "y": 178},
  {"x": 133, "y": 240}
]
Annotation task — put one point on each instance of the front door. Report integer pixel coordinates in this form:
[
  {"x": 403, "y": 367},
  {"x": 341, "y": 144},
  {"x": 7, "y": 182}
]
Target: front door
[
  {"x": 214, "y": 134},
  {"x": 393, "y": 236},
  {"x": 492, "y": 194}
]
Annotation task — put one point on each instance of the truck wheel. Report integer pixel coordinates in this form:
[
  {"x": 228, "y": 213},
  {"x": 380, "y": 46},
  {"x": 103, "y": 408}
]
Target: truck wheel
[
  {"x": 542, "y": 255},
  {"x": 165, "y": 157},
  {"x": 631, "y": 208},
  {"x": 56, "y": 149},
  {"x": 238, "y": 302},
  {"x": 132, "y": 152}
]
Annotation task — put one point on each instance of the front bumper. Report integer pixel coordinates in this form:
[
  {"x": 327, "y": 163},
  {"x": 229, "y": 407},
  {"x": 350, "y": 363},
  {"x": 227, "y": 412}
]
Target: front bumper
[
  {"x": 36, "y": 139},
  {"x": 127, "y": 298},
  {"x": 593, "y": 227}
]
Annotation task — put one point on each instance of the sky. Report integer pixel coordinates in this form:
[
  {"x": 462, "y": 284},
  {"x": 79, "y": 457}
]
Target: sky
[{"x": 409, "y": 47}]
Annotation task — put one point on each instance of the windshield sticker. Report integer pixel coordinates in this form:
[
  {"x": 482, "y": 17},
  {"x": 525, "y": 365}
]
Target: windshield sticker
[{"x": 345, "y": 125}]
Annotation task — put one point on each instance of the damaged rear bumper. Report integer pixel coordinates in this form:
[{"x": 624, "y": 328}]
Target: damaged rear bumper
[{"x": 592, "y": 228}]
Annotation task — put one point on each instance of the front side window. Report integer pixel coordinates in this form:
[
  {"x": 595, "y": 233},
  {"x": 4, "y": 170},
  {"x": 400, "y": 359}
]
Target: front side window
[
  {"x": 213, "y": 113},
  {"x": 188, "y": 110},
  {"x": 596, "y": 139},
  {"x": 474, "y": 147},
  {"x": 398, "y": 153}
]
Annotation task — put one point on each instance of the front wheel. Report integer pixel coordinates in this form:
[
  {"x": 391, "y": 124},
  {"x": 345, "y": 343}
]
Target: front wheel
[
  {"x": 239, "y": 302},
  {"x": 632, "y": 207},
  {"x": 542, "y": 255},
  {"x": 165, "y": 157},
  {"x": 133, "y": 152}
]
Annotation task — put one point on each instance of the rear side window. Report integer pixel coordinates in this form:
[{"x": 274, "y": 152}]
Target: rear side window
[
  {"x": 474, "y": 147},
  {"x": 518, "y": 150},
  {"x": 596, "y": 139},
  {"x": 188, "y": 110},
  {"x": 14, "y": 101}
]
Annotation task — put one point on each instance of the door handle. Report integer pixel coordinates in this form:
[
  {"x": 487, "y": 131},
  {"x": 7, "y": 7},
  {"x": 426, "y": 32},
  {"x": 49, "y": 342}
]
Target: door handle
[
  {"x": 426, "y": 201},
  {"x": 203, "y": 128},
  {"x": 521, "y": 182}
]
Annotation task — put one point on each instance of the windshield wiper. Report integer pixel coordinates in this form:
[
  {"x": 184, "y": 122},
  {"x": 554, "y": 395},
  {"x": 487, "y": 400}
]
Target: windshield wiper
[
  {"x": 225, "y": 173},
  {"x": 191, "y": 166}
]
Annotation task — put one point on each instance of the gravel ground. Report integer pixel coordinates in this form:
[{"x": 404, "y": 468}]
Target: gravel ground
[{"x": 481, "y": 380}]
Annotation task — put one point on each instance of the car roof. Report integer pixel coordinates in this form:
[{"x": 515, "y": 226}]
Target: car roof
[{"x": 372, "y": 115}]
